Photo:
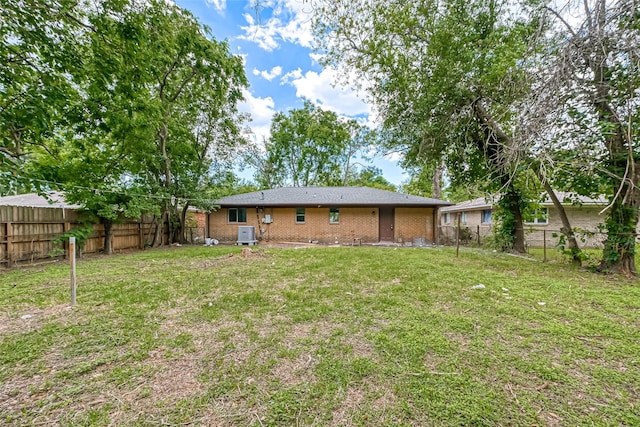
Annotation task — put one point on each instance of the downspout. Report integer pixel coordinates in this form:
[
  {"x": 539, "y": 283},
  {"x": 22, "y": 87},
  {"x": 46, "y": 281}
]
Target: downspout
[{"x": 207, "y": 232}]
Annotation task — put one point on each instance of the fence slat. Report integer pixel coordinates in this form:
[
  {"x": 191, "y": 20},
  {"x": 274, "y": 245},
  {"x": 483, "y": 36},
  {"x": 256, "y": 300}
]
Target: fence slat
[{"x": 28, "y": 234}]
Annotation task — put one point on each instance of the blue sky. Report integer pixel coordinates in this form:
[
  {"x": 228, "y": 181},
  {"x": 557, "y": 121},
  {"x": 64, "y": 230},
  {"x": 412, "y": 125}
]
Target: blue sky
[{"x": 276, "y": 44}]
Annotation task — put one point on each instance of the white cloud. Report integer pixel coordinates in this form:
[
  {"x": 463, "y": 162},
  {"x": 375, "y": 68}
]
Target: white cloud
[
  {"x": 290, "y": 22},
  {"x": 219, "y": 5},
  {"x": 316, "y": 57},
  {"x": 321, "y": 89},
  {"x": 291, "y": 75},
  {"x": 268, "y": 75},
  {"x": 261, "y": 111}
]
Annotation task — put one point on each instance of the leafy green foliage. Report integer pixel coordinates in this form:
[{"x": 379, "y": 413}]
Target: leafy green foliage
[
  {"x": 445, "y": 77},
  {"x": 370, "y": 177},
  {"x": 128, "y": 106},
  {"x": 81, "y": 234},
  {"x": 39, "y": 54},
  {"x": 308, "y": 146}
]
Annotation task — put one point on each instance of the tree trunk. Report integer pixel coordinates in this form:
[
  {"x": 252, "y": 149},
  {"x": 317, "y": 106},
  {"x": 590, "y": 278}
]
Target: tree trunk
[
  {"x": 183, "y": 223},
  {"x": 158, "y": 238},
  {"x": 618, "y": 255},
  {"x": 108, "y": 236},
  {"x": 566, "y": 229},
  {"x": 493, "y": 148},
  {"x": 514, "y": 201},
  {"x": 436, "y": 183}
]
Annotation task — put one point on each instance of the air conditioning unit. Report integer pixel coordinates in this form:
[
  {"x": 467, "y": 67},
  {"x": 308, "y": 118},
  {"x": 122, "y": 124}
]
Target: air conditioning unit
[{"x": 246, "y": 235}]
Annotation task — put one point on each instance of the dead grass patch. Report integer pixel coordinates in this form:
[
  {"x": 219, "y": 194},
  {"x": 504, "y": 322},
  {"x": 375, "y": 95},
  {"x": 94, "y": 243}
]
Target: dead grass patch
[
  {"x": 32, "y": 318},
  {"x": 174, "y": 378},
  {"x": 343, "y": 414},
  {"x": 293, "y": 372}
]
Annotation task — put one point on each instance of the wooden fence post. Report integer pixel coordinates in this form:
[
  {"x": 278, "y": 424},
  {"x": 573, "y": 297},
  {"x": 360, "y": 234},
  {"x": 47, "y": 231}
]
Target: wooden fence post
[
  {"x": 72, "y": 257},
  {"x": 544, "y": 245},
  {"x": 141, "y": 234},
  {"x": 9, "y": 237},
  {"x": 65, "y": 228},
  {"x": 478, "y": 235}
]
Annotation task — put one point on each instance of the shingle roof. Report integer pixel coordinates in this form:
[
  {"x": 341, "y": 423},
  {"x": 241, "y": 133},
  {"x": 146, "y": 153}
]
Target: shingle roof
[
  {"x": 569, "y": 198},
  {"x": 565, "y": 197},
  {"x": 468, "y": 205},
  {"x": 54, "y": 200},
  {"x": 328, "y": 196}
]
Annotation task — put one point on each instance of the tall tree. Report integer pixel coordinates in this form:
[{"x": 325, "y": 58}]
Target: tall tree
[
  {"x": 588, "y": 97},
  {"x": 308, "y": 146},
  {"x": 39, "y": 55},
  {"x": 444, "y": 77},
  {"x": 370, "y": 176},
  {"x": 155, "y": 106}
]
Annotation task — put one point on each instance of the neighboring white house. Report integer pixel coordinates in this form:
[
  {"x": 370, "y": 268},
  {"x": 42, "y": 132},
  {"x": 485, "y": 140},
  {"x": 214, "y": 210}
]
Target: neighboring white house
[{"x": 476, "y": 219}]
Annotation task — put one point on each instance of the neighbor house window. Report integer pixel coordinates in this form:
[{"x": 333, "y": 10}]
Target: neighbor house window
[
  {"x": 463, "y": 218},
  {"x": 237, "y": 215},
  {"x": 300, "y": 215},
  {"x": 538, "y": 216},
  {"x": 334, "y": 216},
  {"x": 486, "y": 216},
  {"x": 447, "y": 218}
]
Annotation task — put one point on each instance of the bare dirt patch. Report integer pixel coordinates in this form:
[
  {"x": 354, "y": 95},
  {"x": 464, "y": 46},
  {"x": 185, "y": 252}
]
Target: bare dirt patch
[
  {"x": 32, "y": 318},
  {"x": 365, "y": 398},
  {"x": 360, "y": 345},
  {"x": 343, "y": 415},
  {"x": 296, "y": 371},
  {"x": 175, "y": 378}
]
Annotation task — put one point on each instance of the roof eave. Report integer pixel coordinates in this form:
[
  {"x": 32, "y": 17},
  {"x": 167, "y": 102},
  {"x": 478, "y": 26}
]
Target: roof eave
[{"x": 327, "y": 205}]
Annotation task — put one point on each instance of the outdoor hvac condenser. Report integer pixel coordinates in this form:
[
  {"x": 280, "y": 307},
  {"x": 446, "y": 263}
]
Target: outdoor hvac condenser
[{"x": 246, "y": 235}]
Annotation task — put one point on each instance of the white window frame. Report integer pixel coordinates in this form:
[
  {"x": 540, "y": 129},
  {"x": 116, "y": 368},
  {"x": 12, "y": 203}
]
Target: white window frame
[
  {"x": 303, "y": 214},
  {"x": 540, "y": 217}
]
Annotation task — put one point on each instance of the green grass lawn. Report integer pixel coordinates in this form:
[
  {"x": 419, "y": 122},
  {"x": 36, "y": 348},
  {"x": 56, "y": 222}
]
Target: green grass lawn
[{"x": 357, "y": 336}]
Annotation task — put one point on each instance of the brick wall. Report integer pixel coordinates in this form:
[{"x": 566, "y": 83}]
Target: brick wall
[
  {"x": 583, "y": 217},
  {"x": 201, "y": 219},
  {"x": 474, "y": 218},
  {"x": 361, "y": 223},
  {"x": 414, "y": 223}
]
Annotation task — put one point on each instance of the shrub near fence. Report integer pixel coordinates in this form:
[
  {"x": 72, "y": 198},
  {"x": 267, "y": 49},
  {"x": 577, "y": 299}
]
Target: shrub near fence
[{"x": 28, "y": 234}]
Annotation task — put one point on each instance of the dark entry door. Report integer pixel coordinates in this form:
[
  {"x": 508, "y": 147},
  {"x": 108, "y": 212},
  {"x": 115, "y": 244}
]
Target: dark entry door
[{"x": 386, "y": 225}]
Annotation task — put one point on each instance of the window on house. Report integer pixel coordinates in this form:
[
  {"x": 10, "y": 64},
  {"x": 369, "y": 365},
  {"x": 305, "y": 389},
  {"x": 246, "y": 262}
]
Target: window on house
[
  {"x": 486, "y": 216},
  {"x": 447, "y": 218},
  {"x": 237, "y": 214},
  {"x": 463, "y": 218},
  {"x": 538, "y": 216},
  {"x": 300, "y": 215},
  {"x": 334, "y": 215}
]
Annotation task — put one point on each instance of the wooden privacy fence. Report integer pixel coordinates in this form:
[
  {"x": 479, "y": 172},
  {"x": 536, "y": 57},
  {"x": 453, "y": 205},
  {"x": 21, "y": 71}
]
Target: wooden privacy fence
[{"x": 28, "y": 234}]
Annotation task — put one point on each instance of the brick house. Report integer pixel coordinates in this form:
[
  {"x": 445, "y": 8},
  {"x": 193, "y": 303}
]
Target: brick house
[
  {"x": 327, "y": 215},
  {"x": 476, "y": 217}
]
